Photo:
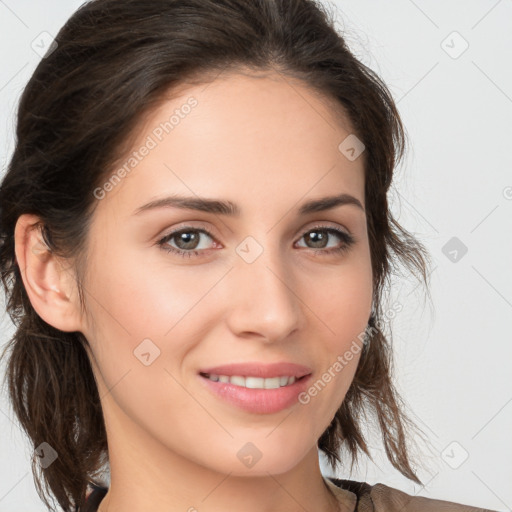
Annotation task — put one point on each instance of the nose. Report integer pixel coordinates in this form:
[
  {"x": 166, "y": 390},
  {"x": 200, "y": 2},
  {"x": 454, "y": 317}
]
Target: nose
[{"x": 264, "y": 299}]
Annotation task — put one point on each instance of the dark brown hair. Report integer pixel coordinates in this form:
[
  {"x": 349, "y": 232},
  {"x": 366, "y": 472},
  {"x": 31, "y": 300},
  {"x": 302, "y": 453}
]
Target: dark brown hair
[{"x": 115, "y": 61}]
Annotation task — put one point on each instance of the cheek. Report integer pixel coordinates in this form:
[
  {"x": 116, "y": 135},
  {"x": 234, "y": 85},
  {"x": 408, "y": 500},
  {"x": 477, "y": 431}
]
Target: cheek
[
  {"x": 141, "y": 295},
  {"x": 140, "y": 321},
  {"x": 347, "y": 307},
  {"x": 342, "y": 299},
  {"x": 143, "y": 309}
]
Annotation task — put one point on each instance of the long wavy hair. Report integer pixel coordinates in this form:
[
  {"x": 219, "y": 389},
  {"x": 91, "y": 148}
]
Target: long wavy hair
[{"x": 113, "y": 62}]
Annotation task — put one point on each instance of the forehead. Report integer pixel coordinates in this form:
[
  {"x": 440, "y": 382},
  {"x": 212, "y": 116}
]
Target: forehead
[{"x": 242, "y": 135}]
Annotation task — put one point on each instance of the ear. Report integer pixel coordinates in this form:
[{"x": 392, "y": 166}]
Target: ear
[{"x": 51, "y": 288}]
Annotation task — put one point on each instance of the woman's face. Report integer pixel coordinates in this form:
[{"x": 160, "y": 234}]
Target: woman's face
[{"x": 266, "y": 285}]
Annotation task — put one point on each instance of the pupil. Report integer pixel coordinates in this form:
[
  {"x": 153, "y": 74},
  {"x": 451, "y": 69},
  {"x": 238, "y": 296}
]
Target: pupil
[
  {"x": 183, "y": 238},
  {"x": 320, "y": 236}
]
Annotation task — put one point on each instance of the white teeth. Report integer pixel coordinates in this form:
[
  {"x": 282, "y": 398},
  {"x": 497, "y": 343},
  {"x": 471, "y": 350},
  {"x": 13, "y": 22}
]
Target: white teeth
[
  {"x": 237, "y": 381},
  {"x": 254, "y": 382}
]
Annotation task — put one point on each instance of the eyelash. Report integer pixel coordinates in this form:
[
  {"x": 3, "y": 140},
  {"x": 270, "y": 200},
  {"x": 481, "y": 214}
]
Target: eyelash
[{"x": 348, "y": 240}]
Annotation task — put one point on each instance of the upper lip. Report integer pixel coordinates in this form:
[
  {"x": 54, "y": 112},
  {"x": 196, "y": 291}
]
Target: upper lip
[{"x": 256, "y": 369}]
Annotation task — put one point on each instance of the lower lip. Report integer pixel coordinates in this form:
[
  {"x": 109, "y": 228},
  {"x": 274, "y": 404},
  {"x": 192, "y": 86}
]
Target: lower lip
[{"x": 259, "y": 401}]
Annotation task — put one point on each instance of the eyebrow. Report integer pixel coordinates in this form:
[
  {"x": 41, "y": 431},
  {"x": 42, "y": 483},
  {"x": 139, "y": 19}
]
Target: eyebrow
[{"x": 220, "y": 207}]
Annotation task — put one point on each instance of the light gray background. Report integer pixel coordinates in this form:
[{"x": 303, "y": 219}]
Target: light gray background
[{"x": 452, "y": 361}]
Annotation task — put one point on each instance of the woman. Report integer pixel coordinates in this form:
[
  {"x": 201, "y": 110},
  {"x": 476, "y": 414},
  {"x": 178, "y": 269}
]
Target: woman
[{"x": 196, "y": 239}]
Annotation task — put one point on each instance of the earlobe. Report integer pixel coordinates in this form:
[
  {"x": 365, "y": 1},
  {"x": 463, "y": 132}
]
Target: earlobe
[{"x": 48, "y": 285}]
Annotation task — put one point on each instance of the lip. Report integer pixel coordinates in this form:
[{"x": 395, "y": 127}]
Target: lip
[
  {"x": 258, "y": 401},
  {"x": 256, "y": 369}
]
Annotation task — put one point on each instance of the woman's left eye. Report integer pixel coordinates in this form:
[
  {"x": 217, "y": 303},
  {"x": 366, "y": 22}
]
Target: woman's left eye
[
  {"x": 317, "y": 235},
  {"x": 189, "y": 240}
]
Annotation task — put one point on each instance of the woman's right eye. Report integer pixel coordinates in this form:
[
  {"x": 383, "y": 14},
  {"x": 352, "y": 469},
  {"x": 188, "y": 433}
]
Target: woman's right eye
[{"x": 183, "y": 236}]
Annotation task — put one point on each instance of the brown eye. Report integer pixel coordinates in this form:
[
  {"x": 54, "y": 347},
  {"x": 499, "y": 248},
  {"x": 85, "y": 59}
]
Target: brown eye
[
  {"x": 320, "y": 236},
  {"x": 187, "y": 241}
]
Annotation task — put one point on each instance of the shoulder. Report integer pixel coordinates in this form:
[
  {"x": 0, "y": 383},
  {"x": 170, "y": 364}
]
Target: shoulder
[
  {"x": 382, "y": 498},
  {"x": 388, "y": 498}
]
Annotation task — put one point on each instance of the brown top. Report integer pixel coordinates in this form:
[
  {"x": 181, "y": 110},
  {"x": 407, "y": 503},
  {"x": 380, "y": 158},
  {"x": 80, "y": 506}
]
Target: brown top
[
  {"x": 362, "y": 497},
  {"x": 354, "y": 497}
]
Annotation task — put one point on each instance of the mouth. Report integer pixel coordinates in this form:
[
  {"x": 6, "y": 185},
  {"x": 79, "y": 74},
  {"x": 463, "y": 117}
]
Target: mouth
[
  {"x": 252, "y": 382},
  {"x": 256, "y": 395}
]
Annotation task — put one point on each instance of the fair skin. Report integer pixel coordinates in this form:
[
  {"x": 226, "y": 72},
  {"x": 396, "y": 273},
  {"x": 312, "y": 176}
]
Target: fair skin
[{"x": 268, "y": 145}]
